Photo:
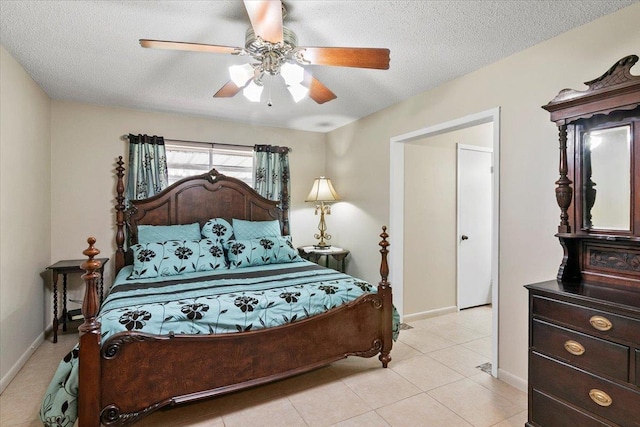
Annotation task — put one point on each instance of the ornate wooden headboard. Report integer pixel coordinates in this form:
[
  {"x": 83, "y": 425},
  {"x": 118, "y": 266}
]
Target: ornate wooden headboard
[{"x": 193, "y": 199}]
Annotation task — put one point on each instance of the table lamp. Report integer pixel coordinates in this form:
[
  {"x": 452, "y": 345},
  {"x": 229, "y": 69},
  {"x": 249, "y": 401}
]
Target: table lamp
[{"x": 322, "y": 192}]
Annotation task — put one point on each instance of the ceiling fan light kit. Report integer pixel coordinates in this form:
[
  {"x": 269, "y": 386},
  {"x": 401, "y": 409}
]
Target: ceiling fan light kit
[
  {"x": 241, "y": 74},
  {"x": 292, "y": 73},
  {"x": 253, "y": 91},
  {"x": 275, "y": 50},
  {"x": 298, "y": 92}
]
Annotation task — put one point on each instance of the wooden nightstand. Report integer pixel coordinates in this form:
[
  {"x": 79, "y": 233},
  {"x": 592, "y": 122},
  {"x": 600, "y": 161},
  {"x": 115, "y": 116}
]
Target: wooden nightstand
[
  {"x": 65, "y": 267},
  {"x": 314, "y": 254}
]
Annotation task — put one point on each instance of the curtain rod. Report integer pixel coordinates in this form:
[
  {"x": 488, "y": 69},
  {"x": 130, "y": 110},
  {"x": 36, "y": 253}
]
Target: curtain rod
[{"x": 126, "y": 136}]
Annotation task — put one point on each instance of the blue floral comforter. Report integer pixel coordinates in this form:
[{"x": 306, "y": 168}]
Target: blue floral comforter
[{"x": 212, "y": 302}]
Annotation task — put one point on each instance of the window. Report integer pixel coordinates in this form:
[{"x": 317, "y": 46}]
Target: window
[{"x": 188, "y": 159}]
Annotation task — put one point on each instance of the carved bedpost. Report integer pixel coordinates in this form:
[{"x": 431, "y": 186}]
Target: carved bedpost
[
  {"x": 120, "y": 207},
  {"x": 91, "y": 304},
  {"x": 89, "y": 363},
  {"x": 285, "y": 204},
  {"x": 564, "y": 192},
  {"x": 384, "y": 290},
  {"x": 384, "y": 265}
]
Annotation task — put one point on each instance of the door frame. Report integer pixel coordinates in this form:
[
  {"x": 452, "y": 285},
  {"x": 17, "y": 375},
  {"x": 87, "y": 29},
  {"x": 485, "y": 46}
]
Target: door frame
[
  {"x": 467, "y": 147},
  {"x": 396, "y": 209}
]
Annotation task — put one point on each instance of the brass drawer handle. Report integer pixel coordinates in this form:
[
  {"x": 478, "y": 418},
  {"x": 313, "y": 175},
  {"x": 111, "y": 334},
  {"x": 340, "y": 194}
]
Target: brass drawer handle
[
  {"x": 600, "y": 397},
  {"x": 574, "y": 347},
  {"x": 601, "y": 323}
]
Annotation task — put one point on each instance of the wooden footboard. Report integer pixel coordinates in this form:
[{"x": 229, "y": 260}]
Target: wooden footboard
[{"x": 133, "y": 374}]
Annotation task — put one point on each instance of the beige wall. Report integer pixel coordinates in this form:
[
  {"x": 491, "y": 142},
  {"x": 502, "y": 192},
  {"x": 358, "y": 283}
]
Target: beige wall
[
  {"x": 358, "y": 159},
  {"x": 25, "y": 225},
  {"x": 86, "y": 140},
  {"x": 430, "y": 173}
]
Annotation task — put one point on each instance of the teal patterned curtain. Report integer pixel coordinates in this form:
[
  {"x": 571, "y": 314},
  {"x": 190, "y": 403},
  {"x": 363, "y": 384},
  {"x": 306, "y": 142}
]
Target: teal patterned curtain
[
  {"x": 147, "y": 173},
  {"x": 272, "y": 179}
]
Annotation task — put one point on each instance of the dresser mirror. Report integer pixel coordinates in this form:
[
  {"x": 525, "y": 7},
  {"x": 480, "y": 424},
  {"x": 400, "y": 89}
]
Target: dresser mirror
[
  {"x": 599, "y": 136},
  {"x": 607, "y": 178}
]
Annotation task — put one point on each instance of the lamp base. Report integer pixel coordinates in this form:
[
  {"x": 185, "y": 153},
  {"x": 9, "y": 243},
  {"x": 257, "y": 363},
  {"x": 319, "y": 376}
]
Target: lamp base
[{"x": 325, "y": 246}]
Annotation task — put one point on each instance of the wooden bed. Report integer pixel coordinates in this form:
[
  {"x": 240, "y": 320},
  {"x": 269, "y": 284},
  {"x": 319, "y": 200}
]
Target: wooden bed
[{"x": 133, "y": 374}]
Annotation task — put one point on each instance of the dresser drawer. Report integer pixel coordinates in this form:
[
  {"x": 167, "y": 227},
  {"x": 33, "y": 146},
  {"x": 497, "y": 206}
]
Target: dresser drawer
[
  {"x": 594, "y": 354},
  {"x": 547, "y": 411},
  {"x": 616, "y": 403},
  {"x": 588, "y": 320}
]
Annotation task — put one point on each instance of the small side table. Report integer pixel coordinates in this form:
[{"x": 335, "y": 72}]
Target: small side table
[
  {"x": 314, "y": 254},
  {"x": 65, "y": 267}
]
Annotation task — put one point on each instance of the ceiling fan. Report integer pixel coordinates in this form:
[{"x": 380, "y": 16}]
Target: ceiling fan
[{"x": 275, "y": 51}]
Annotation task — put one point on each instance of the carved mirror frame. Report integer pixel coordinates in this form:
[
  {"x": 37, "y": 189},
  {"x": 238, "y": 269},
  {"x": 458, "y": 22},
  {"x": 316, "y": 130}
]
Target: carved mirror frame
[{"x": 603, "y": 256}]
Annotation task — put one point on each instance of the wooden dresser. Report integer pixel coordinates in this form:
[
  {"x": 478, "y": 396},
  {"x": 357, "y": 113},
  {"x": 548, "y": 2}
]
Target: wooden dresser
[
  {"x": 584, "y": 327},
  {"x": 584, "y": 356}
]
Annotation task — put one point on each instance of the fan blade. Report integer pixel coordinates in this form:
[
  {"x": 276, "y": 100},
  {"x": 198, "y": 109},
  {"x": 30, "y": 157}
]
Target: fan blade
[
  {"x": 317, "y": 91},
  {"x": 359, "y": 57},
  {"x": 228, "y": 90},
  {"x": 266, "y": 18},
  {"x": 193, "y": 47}
]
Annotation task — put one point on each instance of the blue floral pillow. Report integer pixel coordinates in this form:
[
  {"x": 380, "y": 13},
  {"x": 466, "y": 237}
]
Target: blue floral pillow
[
  {"x": 218, "y": 230},
  {"x": 163, "y": 233},
  {"x": 244, "y": 230},
  {"x": 266, "y": 250},
  {"x": 175, "y": 257}
]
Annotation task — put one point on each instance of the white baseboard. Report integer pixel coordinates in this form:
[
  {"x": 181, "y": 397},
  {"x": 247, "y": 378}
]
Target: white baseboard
[
  {"x": 4, "y": 382},
  {"x": 429, "y": 313},
  {"x": 513, "y": 380}
]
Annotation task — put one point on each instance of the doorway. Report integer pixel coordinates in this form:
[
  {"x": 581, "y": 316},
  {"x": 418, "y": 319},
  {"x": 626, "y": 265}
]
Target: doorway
[{"x": 397, "y": 204}]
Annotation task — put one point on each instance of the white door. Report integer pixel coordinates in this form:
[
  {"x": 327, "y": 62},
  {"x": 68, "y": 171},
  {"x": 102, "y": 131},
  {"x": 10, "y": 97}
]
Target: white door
[{"x": 474, "y": 225}]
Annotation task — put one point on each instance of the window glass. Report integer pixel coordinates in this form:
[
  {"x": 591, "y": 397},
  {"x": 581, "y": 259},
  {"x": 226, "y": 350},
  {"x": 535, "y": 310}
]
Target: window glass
[{"x": 184, "y": 159}]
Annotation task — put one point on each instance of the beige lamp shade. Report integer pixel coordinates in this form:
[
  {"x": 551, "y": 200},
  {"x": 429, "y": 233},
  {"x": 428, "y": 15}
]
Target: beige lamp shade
[{"x": 322, "y": 191}]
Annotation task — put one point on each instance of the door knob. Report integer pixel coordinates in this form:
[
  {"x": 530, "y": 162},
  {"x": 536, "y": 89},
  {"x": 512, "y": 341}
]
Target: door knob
[{"x": 464, "y": 237}]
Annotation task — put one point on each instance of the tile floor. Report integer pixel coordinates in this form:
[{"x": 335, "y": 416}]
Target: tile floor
[{"x": 433, "y": 380}]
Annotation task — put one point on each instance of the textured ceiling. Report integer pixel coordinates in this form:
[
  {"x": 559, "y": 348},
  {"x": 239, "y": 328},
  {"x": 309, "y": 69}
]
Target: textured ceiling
[{"x": 88, "y": 51}]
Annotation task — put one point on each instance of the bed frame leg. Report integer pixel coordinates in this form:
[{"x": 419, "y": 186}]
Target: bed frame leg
[
  {"x": 384, "y": 290},
  {"x": 89, "y": 363}
]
